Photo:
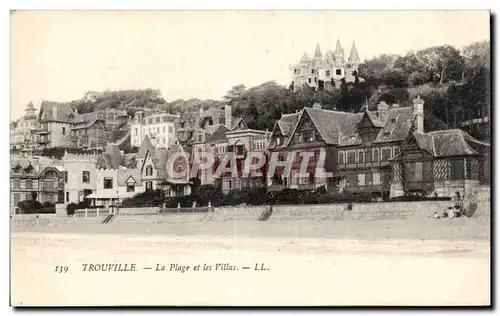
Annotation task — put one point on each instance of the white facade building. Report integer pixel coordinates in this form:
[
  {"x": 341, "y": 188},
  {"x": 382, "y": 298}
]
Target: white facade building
[{"x": 160, "y": 128}]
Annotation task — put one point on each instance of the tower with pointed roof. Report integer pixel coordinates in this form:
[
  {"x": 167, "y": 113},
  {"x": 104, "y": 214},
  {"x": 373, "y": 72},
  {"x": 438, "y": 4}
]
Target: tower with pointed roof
[{"x": 325, "y": 71}]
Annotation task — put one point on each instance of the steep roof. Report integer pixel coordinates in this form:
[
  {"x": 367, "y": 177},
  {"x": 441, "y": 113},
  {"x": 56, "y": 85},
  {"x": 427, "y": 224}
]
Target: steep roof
[
  {"x": 334, "y": 126},
  {"x": 145, "y": 147},
  {"x": 341, "y": 128},
  {"x": 125, "y": 174},
  {"x": 396, "y": 122},
  {"x": 317, "y": 52},
  {"x": 454, "y": 142},
  {"x": 55, "y": 111},
  {"x": 219, "y": 134},
  {"x": 287, "y": 122},
  {"x": 338, "y": 47},
  {"x": 353, "y": 55}
]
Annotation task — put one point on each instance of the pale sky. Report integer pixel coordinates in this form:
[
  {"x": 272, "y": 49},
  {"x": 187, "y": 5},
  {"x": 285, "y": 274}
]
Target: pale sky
[{"x": 57, "y": 56}]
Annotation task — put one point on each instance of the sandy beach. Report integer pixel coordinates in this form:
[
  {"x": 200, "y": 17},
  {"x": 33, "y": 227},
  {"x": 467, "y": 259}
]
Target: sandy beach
[{"x": 299, "y": 263}]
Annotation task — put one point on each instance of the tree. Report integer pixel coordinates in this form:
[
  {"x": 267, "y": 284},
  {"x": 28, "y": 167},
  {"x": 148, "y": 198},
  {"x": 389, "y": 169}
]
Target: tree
[
  {"x": 442, "y": 63},
  {"x": 476, "y": 57}
]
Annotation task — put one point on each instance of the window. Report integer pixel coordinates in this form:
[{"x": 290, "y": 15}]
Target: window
[
  {"x": 85, "y": 176},
  {"x": 67, "y": 197},
  {"x": 361, "y": 156},
  {"x": 327, "y": 73},
  {"x": 149, "y": 170},
  {"x": 386, "y": 154},
  {"x": 170, "y": 129},
  {"x": 309, "y": 136},
  {"x": 135, "y": 131},
  {"x": 368, "y": 156},
  {"x": 16, "y": 184},
  {"x": 315, "y": 79},
  {"x": 341, "y": 158},
  {"x": 64, "y": 130},
  {"x": 130, "y": 187},
  {"x": 361, "y": 179},
  {"x": 29, "y": 184},
  {"x": 157, "y": 120},
  {"x": 312, "y": 71},
  {"x": 65, "y": 177},
  {"x": 376, "y": 178},
  {"x": 375, "y": 155},
  {"x": 149, "y": 186},
  {"x": 396, "y": 151},
  {"x": 278, "y": 141},
  {"x": 17, "y": 198},
  {"x": 351, "y": 157},
  {"x": 164, "y": 129},
  {"x": 338, "y": 72},
  {"x": 108, "y": 183}
]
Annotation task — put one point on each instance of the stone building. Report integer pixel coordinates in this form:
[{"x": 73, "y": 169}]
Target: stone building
[
  {"x": 160, "y": 129},
  {"x": 55, "y": 122},
  {"x": 325, "y": 71}
]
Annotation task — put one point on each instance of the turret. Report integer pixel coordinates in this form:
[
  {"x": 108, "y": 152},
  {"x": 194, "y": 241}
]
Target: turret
[
  {"x": 339, "y": 53},
  {"x": 353, "y": 55}
]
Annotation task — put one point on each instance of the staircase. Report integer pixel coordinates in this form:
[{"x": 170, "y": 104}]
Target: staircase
[{"x": 108, "y": 219}]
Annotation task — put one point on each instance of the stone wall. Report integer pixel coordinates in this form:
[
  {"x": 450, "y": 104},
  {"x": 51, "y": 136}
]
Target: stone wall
[{"x": 359, "y": 211}]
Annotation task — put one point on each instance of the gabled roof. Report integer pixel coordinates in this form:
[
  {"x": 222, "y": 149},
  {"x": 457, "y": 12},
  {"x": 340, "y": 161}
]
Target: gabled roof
[
  {"x": 145, "y": 147},
  {"x": 219, "y": 134},
  {"x": 125, "y": 174},
  {"x": 63, "y": 112},
  {"x": 236, "y": 121},
  {"x": 287, "y": 122},
  {"x": 341, "y": 128}
]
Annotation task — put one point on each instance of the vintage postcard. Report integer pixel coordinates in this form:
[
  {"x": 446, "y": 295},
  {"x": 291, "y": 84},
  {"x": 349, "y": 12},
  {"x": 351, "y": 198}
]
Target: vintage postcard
[{"x": 250, "y": 158}]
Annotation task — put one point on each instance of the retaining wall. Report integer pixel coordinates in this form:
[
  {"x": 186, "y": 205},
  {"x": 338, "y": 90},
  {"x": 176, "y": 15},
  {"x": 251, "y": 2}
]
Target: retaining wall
[{"x": 360, "y": 211}]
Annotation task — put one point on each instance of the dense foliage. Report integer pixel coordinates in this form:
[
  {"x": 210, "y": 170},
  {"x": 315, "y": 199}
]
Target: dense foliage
[
  {"x": 454, "y": 83},
  {"x": 35, "y": 207}
]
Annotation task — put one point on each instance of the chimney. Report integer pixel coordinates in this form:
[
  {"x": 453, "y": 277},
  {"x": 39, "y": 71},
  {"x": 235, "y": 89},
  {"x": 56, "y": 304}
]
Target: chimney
[
  {"x": 418, "y": 113},
  {"x": 54, "y": 112},
  {"x": 228, "y": 116},
  {"x": 201, "y": 112},
  {"x": 76, "y": 111}
]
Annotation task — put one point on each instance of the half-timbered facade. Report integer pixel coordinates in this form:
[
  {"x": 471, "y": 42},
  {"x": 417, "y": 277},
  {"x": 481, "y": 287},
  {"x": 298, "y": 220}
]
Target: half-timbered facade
[
  {"x": 31, "y": 181},
  {"x": 440, "y": 163}
]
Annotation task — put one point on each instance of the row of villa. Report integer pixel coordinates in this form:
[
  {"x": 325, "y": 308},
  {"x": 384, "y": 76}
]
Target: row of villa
[
  {"x": 55, "y": 124},
  {"x": 384, "y": 152}
]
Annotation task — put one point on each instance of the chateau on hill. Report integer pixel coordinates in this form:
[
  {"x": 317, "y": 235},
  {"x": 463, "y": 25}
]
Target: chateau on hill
[{"x": 325, "y": 71}]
